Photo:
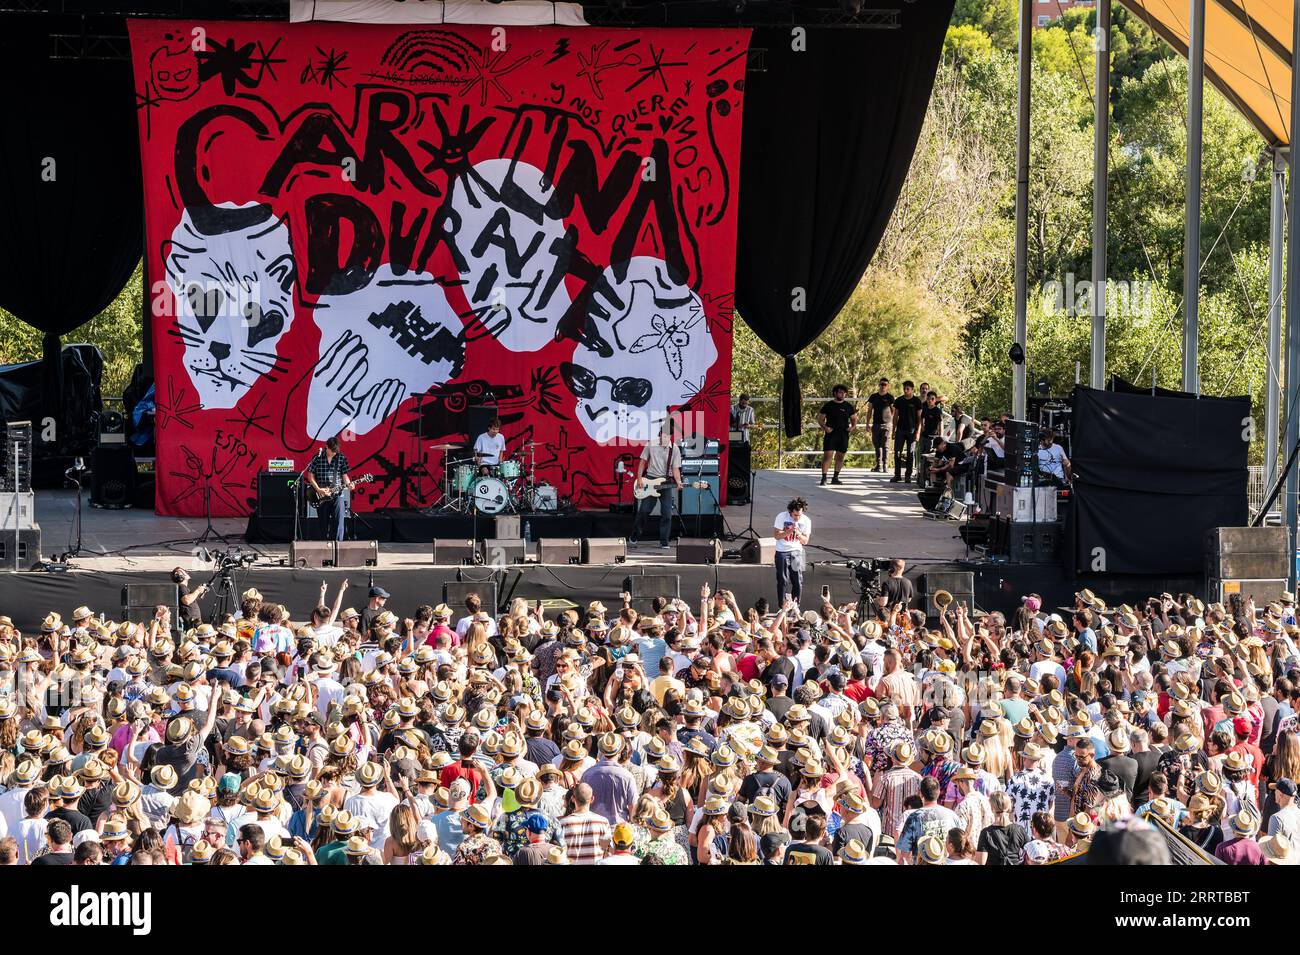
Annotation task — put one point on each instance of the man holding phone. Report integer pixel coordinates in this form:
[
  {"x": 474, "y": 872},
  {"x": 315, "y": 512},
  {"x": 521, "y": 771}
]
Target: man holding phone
[{"x": 792, "y": 529}]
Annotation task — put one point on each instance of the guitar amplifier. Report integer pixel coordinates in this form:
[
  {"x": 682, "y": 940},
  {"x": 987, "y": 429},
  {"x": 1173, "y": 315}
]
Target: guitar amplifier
[
  {"x": 604, "y": 550},
  {"x": 699, "y": 550},
  {"x": 448, "y": 551},
  {"x": 275, "y": 495},
  {"x": 356, "y": 554},
  {"x": 311, "y": 553},
  {"x": 559, "y": 550}
]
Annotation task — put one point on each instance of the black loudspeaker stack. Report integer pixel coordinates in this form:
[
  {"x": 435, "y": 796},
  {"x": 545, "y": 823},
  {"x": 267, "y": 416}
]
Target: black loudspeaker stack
[
  {"x": 643, "y": 588},
  {"x": 112, "y": 478},
  {"x": 1022, "y": 452},
  {"x": 738, "y": 471},
  {"x": 454, "y": 593}
]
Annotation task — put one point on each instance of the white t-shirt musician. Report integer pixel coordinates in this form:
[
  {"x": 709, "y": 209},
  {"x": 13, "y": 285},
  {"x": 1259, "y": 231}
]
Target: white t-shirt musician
[{"x": 490, "y": 447}]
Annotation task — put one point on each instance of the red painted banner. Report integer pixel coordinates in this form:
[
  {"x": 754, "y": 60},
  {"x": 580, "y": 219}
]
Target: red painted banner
[{"x": 370, "y": 230}]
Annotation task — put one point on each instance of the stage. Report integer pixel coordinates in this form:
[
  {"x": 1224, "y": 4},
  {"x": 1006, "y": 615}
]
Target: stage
[{"x": 865, "y": 517}]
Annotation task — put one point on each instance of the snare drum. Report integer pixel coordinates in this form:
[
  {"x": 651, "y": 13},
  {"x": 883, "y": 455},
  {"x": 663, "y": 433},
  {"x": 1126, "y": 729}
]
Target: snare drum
[
  {"x": 462, "y": 477},
  {"x": 509, "y": 470}
]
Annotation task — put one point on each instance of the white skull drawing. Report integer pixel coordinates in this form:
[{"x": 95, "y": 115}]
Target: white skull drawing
[
  {"x": 395, "y": 337},
  {"x": 514, "y": 284},
  {"x": 660, "y": 351},
  {"x": 234, "y": 300}
]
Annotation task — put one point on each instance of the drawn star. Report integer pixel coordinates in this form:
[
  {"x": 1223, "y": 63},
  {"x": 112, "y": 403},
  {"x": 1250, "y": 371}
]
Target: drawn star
[
  {"x": 147, "y": 101},
  {"x": 564, "y": 452},
  {"x": 250, "y": 419},
  {"x": 265, "y": 58},
  {"x": 592, "y": 67},
  {"x": 655, "y": 69},
  {"x": 176, "y": 408},
  {"x": 327, "y": 70},
  {"x": 489, "y": 72}
]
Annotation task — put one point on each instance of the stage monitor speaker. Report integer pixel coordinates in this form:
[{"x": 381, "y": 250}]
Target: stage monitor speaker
[
  {"x": 502, "y": 550},
  {"x": 275, "y": 494},
  {"x": 141, "y": 601},
  {"x": 604, "y": 550},
  {"x": 476, "y": 420},
  {"x": 508, "y": 527},
  {"x": 643, "y": 588},
  {"x": 112, "y": 478},
  {"x": 559, "y": 550},
  {"x": 738, "y": 471},
  {"x": 761, "y": 551},
  {"x": 311, "y": 553},
  {"x": 451, "y": 552},
  {"x": 699, "y": 550},
  {"x": 29, "y": 547},
  {"x": 356, "y": 554},
  {"x": 454, "y": 593}
]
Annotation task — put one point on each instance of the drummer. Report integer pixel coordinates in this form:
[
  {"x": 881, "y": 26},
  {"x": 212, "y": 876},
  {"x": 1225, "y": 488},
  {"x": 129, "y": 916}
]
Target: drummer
[{"x": 490, "y": 447}]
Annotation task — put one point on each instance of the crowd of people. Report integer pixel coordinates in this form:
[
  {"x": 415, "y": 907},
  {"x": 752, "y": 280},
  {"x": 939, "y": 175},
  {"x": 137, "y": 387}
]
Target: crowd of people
[{"x": 700, "y": 733}]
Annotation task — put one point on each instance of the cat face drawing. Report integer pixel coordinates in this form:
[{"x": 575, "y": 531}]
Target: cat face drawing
[{"x": 234, "y": 301}]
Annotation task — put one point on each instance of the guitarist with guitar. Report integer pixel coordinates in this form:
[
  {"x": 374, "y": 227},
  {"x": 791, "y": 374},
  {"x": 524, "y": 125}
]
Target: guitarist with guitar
[
  {"x": 658, "y": 478},
  {"x": 329, "y": 485}
]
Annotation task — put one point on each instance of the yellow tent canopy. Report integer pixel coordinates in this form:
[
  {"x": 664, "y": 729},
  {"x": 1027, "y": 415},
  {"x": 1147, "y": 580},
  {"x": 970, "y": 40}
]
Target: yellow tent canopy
[{"x": 1247, "y": 54}]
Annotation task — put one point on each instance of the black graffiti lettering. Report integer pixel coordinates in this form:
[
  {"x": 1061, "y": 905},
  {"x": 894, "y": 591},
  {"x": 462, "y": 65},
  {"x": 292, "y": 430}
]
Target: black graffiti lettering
[
  {"x": 401, "y": 244},
  {"x": 327, "y": 272},
  {"x": 208, "y": 218},
  {"x": 443, "y": 231},
  {"x": 319, "y": 140},
  {"x": 656, "y": 194},
  {"x": 497, "y": 232}
]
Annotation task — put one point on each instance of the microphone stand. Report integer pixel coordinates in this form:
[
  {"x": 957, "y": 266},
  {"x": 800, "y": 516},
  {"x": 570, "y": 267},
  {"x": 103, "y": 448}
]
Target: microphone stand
[{"x": 297, "y": 500}]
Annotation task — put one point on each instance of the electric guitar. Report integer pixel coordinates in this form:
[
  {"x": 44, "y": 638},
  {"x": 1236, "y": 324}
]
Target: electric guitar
[
  {"x": 314, "y": 497},
  {"x": 649, "y": 487}
]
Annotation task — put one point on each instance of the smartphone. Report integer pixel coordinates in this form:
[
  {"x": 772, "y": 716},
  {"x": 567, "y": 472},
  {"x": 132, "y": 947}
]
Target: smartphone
[{"x": 826, "y": 592}]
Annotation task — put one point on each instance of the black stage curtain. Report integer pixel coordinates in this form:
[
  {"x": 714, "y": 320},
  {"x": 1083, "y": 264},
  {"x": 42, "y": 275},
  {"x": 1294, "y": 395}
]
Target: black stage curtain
[
  {"x": 1152, "y": 475},
  {"x": 74, "y": 229},
  {"x": 828, "y": 139}
]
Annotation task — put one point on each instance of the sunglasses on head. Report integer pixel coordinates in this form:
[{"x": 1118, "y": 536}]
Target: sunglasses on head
[{"x": 625, "y": 391}]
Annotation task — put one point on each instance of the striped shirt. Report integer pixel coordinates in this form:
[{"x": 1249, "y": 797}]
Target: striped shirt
[
  {"x": 1064, "y": 769},
  {"x": 890, "y": 789},
  {"x": 585, "y": 837}
]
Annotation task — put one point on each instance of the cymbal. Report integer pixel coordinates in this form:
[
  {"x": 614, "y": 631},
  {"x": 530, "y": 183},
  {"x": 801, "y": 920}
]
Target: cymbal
[{"x": 445, "y": 447}]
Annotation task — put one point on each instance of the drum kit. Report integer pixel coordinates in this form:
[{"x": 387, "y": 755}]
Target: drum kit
[{"x": 507, "y": 488}]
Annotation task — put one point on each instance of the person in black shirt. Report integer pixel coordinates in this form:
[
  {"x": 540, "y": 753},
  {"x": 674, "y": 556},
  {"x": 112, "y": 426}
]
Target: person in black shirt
[
  {"x": 810, "y": 851},
  {"x": 328, "y": 476},
  {"x": 931, "y": 428},
  {"x": 837, "y": 418},
  {"x": 897, "y": 589},
  {"x": 881, "y": 403},
  {"x": 907, "y": 428},
  {"x": 59, "y": 836},
  {"x": 187, "y": 600}
]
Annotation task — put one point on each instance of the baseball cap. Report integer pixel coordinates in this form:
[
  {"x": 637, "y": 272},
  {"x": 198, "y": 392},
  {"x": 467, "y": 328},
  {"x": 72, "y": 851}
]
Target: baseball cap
[
  {"x": 623, "y": 835},
  {"x": 780, "y": 679},
  {"x": 771, "y": 842},
  {"x": 378, "y": 592},
  {"x": 1286, "y": 787},
  {"x": 536, "y": 822}
]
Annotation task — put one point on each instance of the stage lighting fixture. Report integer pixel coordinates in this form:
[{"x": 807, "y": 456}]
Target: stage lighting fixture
[
  {"x": 851, "y": 7},
  {"x": 1016, "y": 353},
  {"x": 1044, "y": 386},
  {"x": 737, "y": 6}
]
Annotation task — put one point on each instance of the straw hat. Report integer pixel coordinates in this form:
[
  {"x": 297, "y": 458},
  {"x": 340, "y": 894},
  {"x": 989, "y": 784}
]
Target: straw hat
[
  {"x": 931, "y": 851},
  {"x": 853, "y": 853},
  {"x": 1244, "y": 823},
  {"x": 1278, "y": 850}
]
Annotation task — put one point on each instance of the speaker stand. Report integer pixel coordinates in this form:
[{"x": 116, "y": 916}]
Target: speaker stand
[{"x": 210, "y": 533}]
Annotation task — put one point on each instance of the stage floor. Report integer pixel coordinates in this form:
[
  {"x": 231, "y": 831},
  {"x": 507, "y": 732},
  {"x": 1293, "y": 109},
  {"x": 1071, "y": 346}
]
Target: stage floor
[{"x": 865, "y": 517}]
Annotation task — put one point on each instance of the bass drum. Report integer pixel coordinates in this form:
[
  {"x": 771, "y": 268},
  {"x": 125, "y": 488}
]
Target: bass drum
[
  {"x": 491, "y": 496},
  {"x": 543, "y": 497}
]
